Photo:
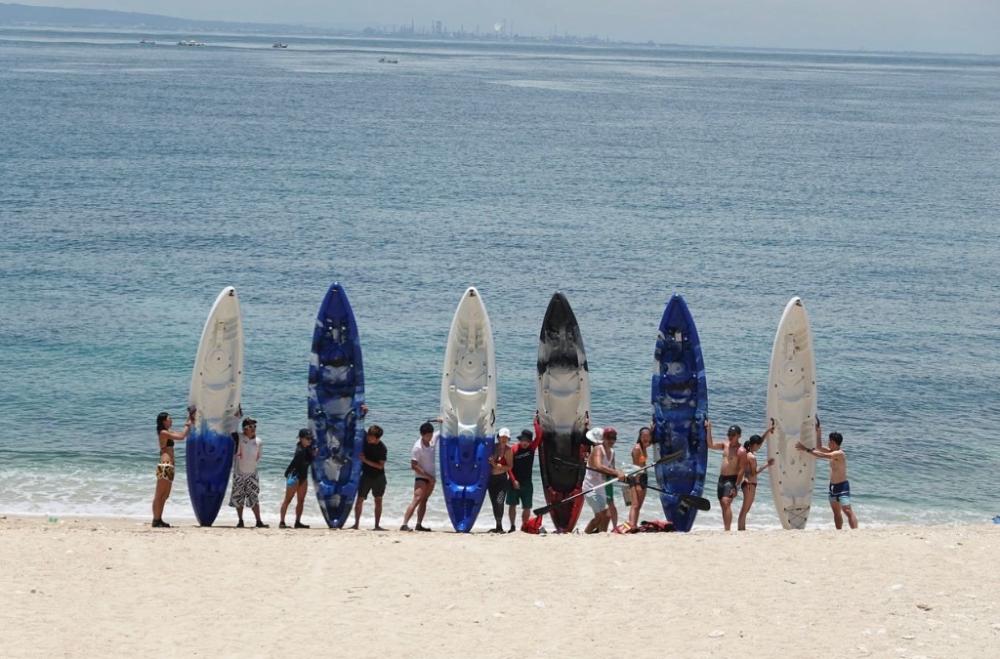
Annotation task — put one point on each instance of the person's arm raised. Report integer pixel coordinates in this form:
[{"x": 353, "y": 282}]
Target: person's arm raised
[{"x": 708, "y": 437}]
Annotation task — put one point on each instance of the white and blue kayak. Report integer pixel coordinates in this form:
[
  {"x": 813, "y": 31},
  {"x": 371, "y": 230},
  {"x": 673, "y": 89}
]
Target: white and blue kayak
[
  {"x": 468, "y": 411},
  {"x": 216, "y": 386},
  {"x": 791, "y": 402}
]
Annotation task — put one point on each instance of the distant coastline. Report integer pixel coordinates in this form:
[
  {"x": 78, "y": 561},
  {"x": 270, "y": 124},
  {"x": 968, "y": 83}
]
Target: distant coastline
[{"x": 18, "y": 15}]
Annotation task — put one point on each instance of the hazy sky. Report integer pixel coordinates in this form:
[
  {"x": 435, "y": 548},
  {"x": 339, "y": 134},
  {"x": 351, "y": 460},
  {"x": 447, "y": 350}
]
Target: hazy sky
[{"x": 926, "y": 25}]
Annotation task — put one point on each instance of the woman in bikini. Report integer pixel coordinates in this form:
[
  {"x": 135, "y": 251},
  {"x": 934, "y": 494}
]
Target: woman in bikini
[
  {"x": 637, "y": 484},
  {"x": 165, "y": 469},
  {"x": 750, "y": 474},
  {"x": 501, "y": 462}
]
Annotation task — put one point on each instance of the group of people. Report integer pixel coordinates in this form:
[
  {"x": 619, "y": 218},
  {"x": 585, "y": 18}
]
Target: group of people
[
  {"x": 739, "y": 473},
  {"x": 510, "y": 482}
]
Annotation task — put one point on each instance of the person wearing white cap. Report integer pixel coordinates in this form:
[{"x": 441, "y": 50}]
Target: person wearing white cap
[
  {"x": 500, "y": 465},
  {"x": 601, "y": 465}
]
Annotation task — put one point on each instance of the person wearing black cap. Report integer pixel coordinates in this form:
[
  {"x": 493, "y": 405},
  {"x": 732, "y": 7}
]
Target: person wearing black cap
[
  {"x": 731, "y": 473},
  {"x": 246, "y": 484},
  {"x": 520, "y": 488},
  {"x": 297, "y": 478}
]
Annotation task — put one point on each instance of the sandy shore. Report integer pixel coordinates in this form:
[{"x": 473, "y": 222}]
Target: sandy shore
[{"x": 117, "y": 587}]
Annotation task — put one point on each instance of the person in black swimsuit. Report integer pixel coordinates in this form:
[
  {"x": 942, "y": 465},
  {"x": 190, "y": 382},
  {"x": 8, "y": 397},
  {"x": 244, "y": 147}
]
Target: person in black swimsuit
[
  {"x": 297, "y": 478},
  {"x": 166, "y": 468}
]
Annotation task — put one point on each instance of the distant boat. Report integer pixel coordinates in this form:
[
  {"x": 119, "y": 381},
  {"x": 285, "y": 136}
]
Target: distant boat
[
  {"x": 278, "y": 44},
  {"x": 385, "y": 60},
  {"x": 190, "y": 42},
  {"x": 147, "y": 42}
]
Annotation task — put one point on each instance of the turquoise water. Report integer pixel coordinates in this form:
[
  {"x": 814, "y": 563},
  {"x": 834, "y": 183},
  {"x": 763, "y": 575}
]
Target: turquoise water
[{"x": 136, "y": 182}]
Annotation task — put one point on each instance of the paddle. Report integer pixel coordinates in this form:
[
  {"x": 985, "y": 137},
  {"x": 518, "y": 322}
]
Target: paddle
[
  {"x": 665, "y": 459},
  {"x": 695, "y": 502}
]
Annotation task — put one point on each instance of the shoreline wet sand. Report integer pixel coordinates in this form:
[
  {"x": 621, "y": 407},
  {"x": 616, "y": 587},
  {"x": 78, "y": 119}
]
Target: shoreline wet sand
[{"x": 111, "y": 586}]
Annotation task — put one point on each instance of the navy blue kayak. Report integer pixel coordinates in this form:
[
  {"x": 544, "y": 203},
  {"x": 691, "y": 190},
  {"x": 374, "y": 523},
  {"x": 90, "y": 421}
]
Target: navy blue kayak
[
  {"x": 680, "y": 407},
  {"x": 336, "y": 394}
]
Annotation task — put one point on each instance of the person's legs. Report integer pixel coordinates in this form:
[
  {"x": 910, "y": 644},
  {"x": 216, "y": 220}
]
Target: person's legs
[
  {"x": 498, "y": 490},
  {"x": 160, "y": 498},
  {"x": 422, "y": 508},
  {"x": 838, "y": 519},
  {"x": 289, "y": 494},
  {"x": 239, "y": 515},
  {"x": 727, "y": 512},
  {"x": 418, "y": 493},
  {"x": 378, "y": 513},
  {"x": 300, "y": 502},
  {"x": 359, "y": 505},
  {"x": 851, "y": 519},
  {"x": 749, "y": 492}
]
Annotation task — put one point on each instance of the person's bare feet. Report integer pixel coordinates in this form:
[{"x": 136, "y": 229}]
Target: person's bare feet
[
  {"x": 378, "y": 528},
  {"x": 355, "y": 527}
]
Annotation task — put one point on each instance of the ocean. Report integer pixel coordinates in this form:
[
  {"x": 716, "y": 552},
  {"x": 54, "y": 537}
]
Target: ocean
[{"x": 137, "y": 181}]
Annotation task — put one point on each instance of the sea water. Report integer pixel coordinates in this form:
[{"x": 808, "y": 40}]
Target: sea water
[{"x": 137, "y": 181}]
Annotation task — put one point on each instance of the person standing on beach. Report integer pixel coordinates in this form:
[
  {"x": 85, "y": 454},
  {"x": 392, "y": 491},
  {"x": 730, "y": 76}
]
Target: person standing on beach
[
  {"x": 500, "y": 467},
  {"x": 600, "y": 465},
  {"x": 166, "y": 469},
  {"x": 423, "y": 465},
  {"x": 730, "y": 474},
  {"x": 297, "y": 478},
  {"x": 373, "y": 457},
  {"x": 521, "y": 488},
  {"x": 750, "y": 474},
  {"x": 637, "y": 484},
  {"x": 246, "y": 483},
  {"x": 840, "y": 487}
]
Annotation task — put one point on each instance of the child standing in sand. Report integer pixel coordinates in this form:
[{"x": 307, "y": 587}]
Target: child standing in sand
[{"x": 840, "y": 488}]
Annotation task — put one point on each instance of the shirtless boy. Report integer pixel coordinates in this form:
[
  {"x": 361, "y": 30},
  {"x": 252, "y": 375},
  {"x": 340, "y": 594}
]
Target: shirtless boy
[
  {"x": 840, "y": 488},
  {"x": 730, "y": 474}
]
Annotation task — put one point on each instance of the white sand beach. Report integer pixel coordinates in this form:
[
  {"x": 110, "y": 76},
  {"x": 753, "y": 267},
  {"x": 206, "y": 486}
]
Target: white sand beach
[{"x": 115, "y": 587}]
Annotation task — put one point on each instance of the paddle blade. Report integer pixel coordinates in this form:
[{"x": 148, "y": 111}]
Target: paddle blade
[{"x": 699, "y": 503}]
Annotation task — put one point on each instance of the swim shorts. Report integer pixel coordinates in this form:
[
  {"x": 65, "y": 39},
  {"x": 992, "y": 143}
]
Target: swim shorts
[
  {"x": 374, "y": 483},
  {"x": 840, "y": 493},
  {"x": 165, "y": 471},
  {"x": 246, "y": 489},
  {"x": 727, "y": 487},
  {"x": 520, "y": 496},
  {"x": 598, "y": 500}
]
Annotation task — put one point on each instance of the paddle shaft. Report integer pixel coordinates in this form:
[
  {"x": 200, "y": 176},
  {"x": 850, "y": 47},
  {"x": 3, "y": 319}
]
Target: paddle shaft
[
  {"x": 700, "y": 501},
  {"x": 667, "y": 458}
]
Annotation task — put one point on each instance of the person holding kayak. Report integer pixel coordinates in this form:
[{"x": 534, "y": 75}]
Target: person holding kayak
[
  {"x": 521, "y": 488},
  {"x": 166, "y": 468},
  {"x": 500, "y": 468},
  {"x": 424, "y": 470},
  {"x": 297, "y": 478},
  {"x": 601, "y": 465},
  {"x": 246, "y": 482},
  {"x": 730, "y": 474},
  {"x": 750, "y": 474},
  {"x": 840, "y": 487},
  {"x": 373, "y": 457}
]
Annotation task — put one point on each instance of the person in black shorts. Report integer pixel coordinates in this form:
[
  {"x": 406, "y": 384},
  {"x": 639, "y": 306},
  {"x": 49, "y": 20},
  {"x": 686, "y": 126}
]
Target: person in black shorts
[
  {"x": 373, "y": 457},
  {"x": 520, "y": 488}
]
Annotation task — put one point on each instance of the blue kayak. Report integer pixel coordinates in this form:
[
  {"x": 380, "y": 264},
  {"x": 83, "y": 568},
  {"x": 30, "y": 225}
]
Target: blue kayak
[
  {"x": 680, "y": 407},
  {"x": 336, "y": 394}
]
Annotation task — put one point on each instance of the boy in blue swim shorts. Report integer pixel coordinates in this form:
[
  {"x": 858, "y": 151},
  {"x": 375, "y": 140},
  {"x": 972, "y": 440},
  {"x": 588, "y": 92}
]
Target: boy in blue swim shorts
[{"x": 840, "y": 487}]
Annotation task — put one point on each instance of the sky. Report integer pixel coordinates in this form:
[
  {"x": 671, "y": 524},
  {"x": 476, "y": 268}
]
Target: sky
[{"x": 963, "y": 26}]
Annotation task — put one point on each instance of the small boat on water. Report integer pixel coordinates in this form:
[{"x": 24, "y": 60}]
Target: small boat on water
[
  {"x": 147, "y": 42},
  {"x": 190, "y": 42},
  {"x": 278, "y": 44},
  {"x": 386, "y": 60}
]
